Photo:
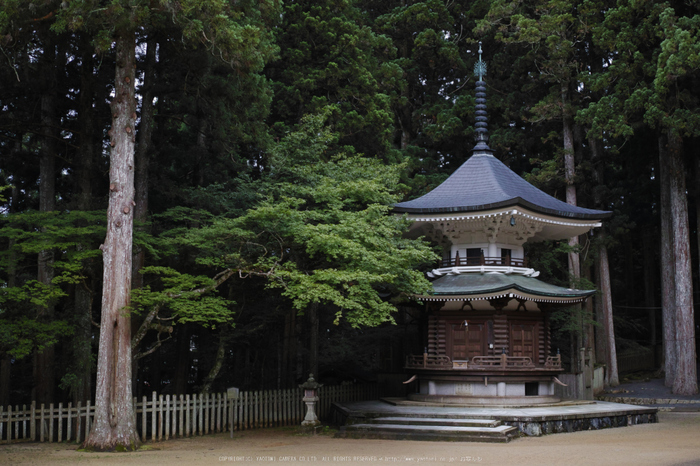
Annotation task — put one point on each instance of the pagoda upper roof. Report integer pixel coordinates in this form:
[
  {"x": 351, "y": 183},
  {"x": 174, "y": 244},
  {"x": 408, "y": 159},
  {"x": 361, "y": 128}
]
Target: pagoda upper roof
[{"x": 482, "y": 183}]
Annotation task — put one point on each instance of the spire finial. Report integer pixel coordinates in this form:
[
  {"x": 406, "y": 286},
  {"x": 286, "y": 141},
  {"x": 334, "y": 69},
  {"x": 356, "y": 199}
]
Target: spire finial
[
  {"x": 481, "y": 126},
  {"x": 480, "y": 66}
]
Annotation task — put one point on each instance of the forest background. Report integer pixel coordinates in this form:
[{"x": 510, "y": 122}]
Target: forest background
[{"x": 270, "y": 141}]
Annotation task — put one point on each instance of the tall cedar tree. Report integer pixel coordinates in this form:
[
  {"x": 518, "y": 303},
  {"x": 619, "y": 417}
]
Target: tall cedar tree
[
  {"x": 650, "y": 81},
  {"x": 330, "y": 58},
  {"x": 214, "y": 23},
  {"x": 555, "y": 32}
]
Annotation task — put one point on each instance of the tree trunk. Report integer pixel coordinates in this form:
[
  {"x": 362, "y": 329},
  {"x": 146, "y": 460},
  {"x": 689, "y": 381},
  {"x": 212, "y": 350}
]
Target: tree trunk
[
  {"x": 574, "y": 260},
  {"x": 182, "y": 371},
  {"x": 5, "y": 373},
  {"x": 142, "y": 156},
  {"x": 313, "y": 339},
  {"x": 44, "y": 363},
  {"x": 668, "y": 267},
  {"x": 5, "y": 363},
  {"x": 84, "y": 293},
  {"x": 604, "y": 292},
  {"x": 141, "y": 159},
  {"x": 601, "y": 347},
  {"x": 697, "y": 210},
  {"x": 649, "y": 280},
  {"x": 611, "y": 353},
  {"x": 290, "y": 348},
  {"x": 114, "y": 426},
  {"x": 589, "y": 334},
  {"x": 686, "y": 380},
  {"x": 218, "y": 361}
]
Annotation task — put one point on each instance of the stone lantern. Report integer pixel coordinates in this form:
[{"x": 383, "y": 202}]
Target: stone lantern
[{"x": 310, "y": 398}]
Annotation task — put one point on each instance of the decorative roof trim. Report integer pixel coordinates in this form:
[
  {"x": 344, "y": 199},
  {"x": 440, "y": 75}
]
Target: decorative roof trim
[
  {"x": 520, "y": 213},
  {"x": 510, "y": 294},
  {"x": 517, "y": 201}
]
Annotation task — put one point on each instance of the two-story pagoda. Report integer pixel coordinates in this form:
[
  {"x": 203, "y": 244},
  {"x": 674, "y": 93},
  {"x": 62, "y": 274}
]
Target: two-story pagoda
[{"x": 488, "y": 336}]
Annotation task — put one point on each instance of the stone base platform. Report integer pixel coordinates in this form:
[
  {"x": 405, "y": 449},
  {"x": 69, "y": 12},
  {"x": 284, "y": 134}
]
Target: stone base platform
[
  {"x": 474, "y": 401},
  {"x": 565, "y": 416}
]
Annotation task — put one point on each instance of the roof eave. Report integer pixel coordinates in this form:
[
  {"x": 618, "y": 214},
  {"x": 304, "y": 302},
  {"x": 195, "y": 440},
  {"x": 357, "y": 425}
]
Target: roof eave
[{"x": 518, "y": 201}]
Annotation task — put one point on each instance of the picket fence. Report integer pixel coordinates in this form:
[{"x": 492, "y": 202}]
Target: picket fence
[{"x": 169, "y": 416}]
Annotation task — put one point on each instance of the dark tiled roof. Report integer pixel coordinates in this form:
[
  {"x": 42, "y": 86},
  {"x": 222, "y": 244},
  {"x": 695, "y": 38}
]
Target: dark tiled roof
[
  {"x": 479, "y": 284},
  {"x": 483, "y": 182}
]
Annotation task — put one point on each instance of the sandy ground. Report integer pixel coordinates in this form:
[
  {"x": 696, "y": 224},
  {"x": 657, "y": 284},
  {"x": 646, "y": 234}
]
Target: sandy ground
[{"x": 674, "y": 440}]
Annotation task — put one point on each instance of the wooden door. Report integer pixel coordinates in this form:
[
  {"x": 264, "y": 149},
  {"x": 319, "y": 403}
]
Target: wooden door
[
  {"x": 523, "y": 340},
  {"x": 467, "y": 341},
  {"x": 458, "y": 341}
]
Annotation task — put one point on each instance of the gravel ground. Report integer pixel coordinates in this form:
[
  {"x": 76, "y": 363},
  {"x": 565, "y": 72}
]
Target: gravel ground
[{"x": 675, "y": 440}]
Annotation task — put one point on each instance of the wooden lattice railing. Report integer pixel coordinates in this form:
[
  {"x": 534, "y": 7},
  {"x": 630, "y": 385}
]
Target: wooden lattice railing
[
  {"x": 553, "y": 362},
  {"x": 428, "y": 361},
  {"x": 477, "y": 261},
  {"x": 501, "y": 362}
]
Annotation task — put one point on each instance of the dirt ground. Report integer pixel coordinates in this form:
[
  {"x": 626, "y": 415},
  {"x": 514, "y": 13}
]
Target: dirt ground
[{"x": 675, "y": 440}]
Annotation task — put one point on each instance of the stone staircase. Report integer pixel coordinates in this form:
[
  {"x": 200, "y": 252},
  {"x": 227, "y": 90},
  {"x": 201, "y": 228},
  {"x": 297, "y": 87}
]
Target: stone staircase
[{"x": 430, "y": 428}]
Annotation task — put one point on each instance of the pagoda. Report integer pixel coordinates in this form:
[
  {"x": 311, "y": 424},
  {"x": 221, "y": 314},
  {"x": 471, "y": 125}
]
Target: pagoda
[{"x": 488, "y": 326}]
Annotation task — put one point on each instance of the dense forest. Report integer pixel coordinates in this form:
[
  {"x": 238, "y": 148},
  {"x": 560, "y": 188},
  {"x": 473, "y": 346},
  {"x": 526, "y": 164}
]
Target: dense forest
[{"x": 262, "y": 146}]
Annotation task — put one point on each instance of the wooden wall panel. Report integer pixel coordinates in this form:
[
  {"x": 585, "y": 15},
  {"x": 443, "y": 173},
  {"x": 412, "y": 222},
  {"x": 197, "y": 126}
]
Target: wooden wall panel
[
  {"x": 500, "y": 333},
  {"x": 542, "y": 345},
  {"x": 442, "y": 337},
  {"x": 432, "y": 335}
]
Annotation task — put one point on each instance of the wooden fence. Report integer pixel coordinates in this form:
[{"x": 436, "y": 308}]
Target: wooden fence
[
  {"x": 635, "y": 360},
  {"x": 166, "y": 416}
]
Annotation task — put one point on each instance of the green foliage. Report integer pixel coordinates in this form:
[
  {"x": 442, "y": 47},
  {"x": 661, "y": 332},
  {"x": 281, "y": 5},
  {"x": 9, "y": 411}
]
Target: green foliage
[
  {"x": 241, "y": 185},
  {"x": 654, "y": 48},
  {"x": 188, "y": 298},
  {"x": 330, "y": 59},
  {"x": 32, "y": 293},
  {"x": 426, "y": 86},
  {"x": 572, "y": 321},
  {"x": 73, "y": 235},
  {"x": 230, "y": 31},
  {"x": 19, "y": 337},
  {"x": 323, "y": 233},
  {"x": 73, "y": 238},
  {"x": 550, "y": 259}
]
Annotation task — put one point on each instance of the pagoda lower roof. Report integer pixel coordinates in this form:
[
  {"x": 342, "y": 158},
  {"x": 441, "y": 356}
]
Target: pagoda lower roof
[
  {"x": 478, "y": 286},
  {"x": 482, "y": 183}
]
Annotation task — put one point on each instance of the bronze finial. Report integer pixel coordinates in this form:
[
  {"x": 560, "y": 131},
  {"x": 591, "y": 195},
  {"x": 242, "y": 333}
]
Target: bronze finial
[{"x": 480, "y": 66}]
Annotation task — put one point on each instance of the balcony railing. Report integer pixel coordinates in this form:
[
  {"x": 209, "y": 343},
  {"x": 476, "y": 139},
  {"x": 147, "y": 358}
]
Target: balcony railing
[
  {"x": 500, "y": 362},
  {"x": 477, "y": 261},
  {"x": 431, "y": 361}
]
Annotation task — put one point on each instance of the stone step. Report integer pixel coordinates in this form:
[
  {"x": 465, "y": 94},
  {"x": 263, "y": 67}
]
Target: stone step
[
  {"x": 435, "y": 421},
  {"x": 649, "y": 401},
  {"x": 497, "y": 434}
]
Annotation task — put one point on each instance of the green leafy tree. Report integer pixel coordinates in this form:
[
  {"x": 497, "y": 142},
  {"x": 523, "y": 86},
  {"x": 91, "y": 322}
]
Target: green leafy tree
[
  {"x": 322, "y": 232},
  {"x": 72, "y": 238}
]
